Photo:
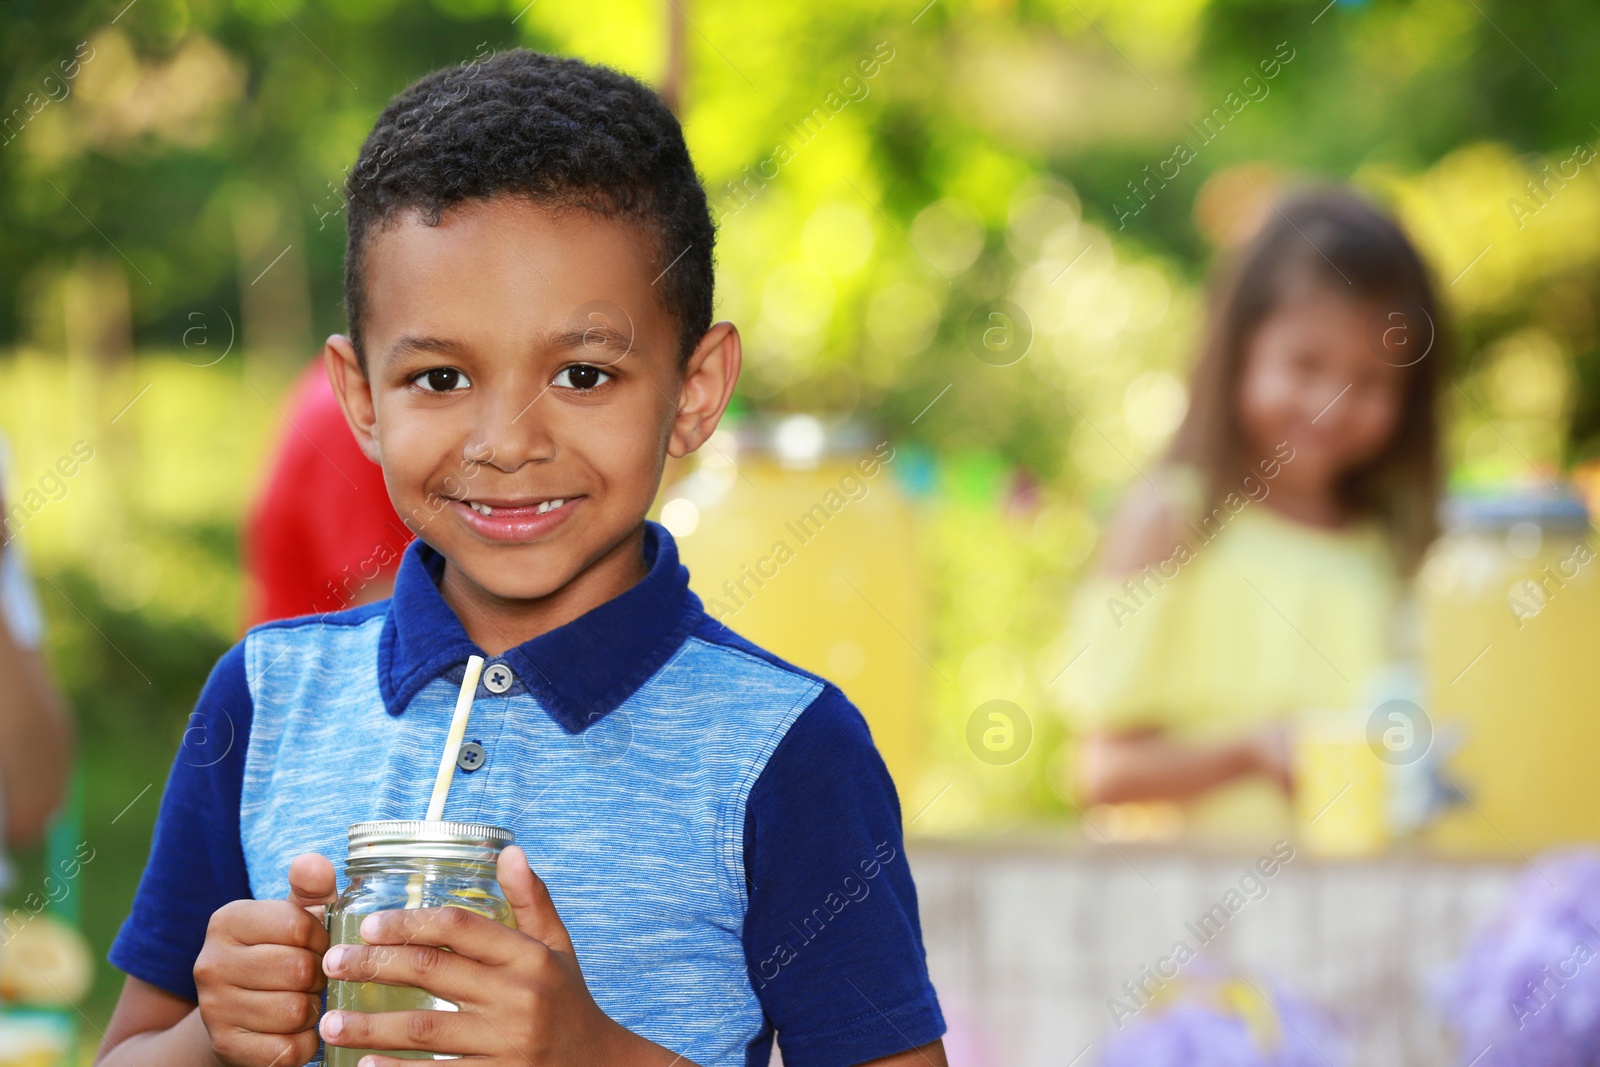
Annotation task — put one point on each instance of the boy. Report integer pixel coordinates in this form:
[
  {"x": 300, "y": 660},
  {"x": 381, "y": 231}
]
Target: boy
[{"x": 528, "y": 286}]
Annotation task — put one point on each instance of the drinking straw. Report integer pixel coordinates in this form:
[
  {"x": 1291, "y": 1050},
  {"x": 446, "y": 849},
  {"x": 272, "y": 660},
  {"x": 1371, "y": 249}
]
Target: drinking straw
[
  {"x": 447, "y": 763},
  {"x": 452, "y": 742}
]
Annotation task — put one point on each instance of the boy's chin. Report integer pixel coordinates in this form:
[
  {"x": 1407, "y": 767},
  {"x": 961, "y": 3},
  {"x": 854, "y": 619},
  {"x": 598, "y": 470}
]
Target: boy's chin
[{"x": 512, "y": 572}]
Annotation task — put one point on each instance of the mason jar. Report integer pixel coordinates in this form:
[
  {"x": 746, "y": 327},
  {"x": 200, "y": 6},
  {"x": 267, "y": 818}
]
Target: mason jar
[{"x": 397, "y": 864}]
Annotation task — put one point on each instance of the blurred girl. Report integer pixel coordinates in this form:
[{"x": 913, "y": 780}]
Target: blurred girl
[{"x": 1257, "y": 570}]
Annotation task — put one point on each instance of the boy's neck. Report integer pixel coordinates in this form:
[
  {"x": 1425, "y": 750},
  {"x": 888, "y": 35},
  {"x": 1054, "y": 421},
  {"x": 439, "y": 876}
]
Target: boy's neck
[{"x": 496, "y": 624}]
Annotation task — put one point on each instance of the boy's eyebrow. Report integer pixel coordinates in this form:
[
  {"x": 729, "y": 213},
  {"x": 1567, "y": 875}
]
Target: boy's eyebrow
[
  {"x": 599, "y": 335},
  {"x": 443, "y": 346}
]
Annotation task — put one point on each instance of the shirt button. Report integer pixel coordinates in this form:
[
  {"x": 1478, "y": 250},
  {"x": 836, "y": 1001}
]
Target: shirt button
[
  {"x": 498, "y": 678},
  {"x": 470, "y": 756}
]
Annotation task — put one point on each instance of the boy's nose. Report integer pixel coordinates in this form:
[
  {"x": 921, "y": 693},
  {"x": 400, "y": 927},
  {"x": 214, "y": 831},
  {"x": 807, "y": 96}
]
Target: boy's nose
[{"x": 512, "y": 432}]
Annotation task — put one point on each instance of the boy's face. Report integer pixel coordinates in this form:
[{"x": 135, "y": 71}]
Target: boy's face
[{"x": 523, "y": 388}]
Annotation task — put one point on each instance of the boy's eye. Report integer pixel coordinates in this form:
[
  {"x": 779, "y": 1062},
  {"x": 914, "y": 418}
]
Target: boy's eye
[
  {"x": 581, "y": 376},
  {"x": 442, "y": 380}
]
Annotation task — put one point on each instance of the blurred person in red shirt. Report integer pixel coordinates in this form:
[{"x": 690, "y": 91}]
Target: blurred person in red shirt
[{"x": 322, "y": 535}]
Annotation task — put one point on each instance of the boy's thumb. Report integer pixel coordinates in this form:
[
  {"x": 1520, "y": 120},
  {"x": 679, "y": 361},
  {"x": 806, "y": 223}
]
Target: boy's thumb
[
  {"x": 530, "y": 901},
  {"x": 311, "y": 882}
]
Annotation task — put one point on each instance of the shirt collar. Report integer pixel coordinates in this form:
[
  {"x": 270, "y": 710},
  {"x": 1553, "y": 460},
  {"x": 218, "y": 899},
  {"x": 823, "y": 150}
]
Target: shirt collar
[{"x": 579, "y": 672}]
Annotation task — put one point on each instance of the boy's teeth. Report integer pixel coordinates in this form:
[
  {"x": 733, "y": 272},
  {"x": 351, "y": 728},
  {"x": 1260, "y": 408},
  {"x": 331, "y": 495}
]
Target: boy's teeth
[{"x": 486, "y": 509}]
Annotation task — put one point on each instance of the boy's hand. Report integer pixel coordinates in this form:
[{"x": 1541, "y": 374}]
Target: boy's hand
[
  {"x": 522, "y": 996},
  {"x": 259, "y": 974}
]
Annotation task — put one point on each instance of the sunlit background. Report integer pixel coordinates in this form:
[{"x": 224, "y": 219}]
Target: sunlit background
[{"x": 171, "y": 240}]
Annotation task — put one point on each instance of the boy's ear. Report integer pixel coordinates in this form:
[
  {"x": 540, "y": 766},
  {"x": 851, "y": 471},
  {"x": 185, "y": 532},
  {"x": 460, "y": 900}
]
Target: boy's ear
[
  {"x": 708, "y": 381},
  {"x": 350, "y": 385}
]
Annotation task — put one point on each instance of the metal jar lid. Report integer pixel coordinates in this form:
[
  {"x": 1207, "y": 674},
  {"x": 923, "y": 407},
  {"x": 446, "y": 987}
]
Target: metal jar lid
[
  {"x": 801, "y": 441},
  {"x": 418, "y": 839},
  {"x": 1552, "y": 510}
]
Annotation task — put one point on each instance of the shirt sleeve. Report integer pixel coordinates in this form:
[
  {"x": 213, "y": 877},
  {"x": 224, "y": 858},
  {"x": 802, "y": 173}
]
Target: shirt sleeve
[
  {"x": 18, "y": 601},
  {"x": 196, "y": 860},
  {"x": 1120, "y": 637},
  {"x": 831, "y": 934},
  {"x": 1121, "y": 631}
]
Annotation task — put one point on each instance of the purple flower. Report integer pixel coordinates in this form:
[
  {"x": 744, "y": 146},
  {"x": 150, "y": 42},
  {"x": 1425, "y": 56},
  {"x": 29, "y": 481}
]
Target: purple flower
[
  {"x": 1227, "y": 1023},
  {"x": 1528, "y": 988}
]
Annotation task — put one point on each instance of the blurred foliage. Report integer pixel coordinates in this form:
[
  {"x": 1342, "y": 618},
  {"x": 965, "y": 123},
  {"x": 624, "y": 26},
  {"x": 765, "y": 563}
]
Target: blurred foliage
[
  {"x": 996, "y": 621},
  {"x": 137, "y": 564},
  {"x": 178, "y": 198},
  {"x": 200, "y": 139}
]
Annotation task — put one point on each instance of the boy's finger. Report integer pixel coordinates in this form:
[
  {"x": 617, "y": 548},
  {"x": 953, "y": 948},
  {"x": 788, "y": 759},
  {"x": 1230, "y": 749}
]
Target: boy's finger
[
  {"x": 311, "y": 881},
  {"x": 248, "y": 1046},
  {"x": 414, "y": 1031},
  {"x": 278, "y": 969},
  {"x": 270, "y": 922},
  {"x": 477, "y": 937},
  {"x": 277, "y": 1013},
  {"x": 442, "y": 973},
  {"x": 530, "y": 900}
]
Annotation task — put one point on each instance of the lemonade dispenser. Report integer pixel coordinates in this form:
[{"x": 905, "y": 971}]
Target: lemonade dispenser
[
  {"x": 1511, "y": 610},
  {"x": 798, "y": 538}
]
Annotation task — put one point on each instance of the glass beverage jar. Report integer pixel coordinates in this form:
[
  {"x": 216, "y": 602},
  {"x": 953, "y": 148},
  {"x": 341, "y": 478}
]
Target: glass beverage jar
[
  {"x": 398, "y": 864},
  {"x": 796, "y": 535},
  {"x": 1511, "y": 601}
]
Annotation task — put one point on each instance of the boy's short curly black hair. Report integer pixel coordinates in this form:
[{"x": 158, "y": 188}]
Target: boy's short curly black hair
[{"x": 559, "y": 131}]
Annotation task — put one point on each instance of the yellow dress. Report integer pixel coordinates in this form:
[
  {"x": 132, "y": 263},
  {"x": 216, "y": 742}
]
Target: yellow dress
[{"x": 1260, "y": 617}]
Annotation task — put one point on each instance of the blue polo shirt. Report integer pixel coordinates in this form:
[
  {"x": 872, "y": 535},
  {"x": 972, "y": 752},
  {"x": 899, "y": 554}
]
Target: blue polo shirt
[{"x": 717, "y": 831}]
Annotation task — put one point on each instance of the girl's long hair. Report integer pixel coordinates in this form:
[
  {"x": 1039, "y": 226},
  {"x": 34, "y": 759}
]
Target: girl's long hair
[{"x": 1331, "y": 238}]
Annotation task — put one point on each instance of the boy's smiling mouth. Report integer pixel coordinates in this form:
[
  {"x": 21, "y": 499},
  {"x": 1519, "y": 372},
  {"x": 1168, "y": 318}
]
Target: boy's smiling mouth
[
  {"x": 489, "y": 509},
  {"x": 507, "y": 519}
]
